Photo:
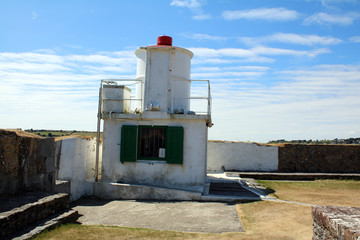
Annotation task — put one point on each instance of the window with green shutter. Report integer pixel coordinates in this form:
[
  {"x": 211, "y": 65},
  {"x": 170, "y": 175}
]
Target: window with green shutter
[
  {"x": 175, "y": 143},
  {"x": 162, "y": 143},
  {"x": 128, "y": 143}
]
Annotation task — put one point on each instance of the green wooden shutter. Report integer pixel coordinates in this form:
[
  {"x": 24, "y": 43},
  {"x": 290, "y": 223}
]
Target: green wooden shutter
[
  {"x": 174, "y": 145},
  {"x": 128, "y": 143}
]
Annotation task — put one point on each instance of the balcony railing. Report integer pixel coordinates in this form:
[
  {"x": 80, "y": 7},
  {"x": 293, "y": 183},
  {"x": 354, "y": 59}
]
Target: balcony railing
[{"x": 199, "y": 104}]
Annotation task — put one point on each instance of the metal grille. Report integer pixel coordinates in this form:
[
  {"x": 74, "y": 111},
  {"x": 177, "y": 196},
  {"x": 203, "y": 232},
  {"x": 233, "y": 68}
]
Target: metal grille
[{"x": 151, "y": 140}]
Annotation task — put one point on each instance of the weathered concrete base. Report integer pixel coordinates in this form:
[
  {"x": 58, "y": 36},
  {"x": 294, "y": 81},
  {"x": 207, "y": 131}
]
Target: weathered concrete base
[
  {"x": 184, "y": 216},
  {"x": 336, "y": 223},
  {"x": 109, "y": 190}
]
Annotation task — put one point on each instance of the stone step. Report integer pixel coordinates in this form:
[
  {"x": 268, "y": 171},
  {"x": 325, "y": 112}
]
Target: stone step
[
  {"x": 16, "y": 212},
  {"x": 31, "y": 231}
]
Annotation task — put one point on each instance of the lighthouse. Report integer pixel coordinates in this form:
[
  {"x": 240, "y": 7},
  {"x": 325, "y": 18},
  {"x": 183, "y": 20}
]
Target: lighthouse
[{"x": 153, "y": 133}]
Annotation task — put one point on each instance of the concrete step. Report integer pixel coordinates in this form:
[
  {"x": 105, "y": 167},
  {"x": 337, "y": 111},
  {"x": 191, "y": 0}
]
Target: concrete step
[
  {"x": 16, "y": 212},
  {"x": 62, "y": 186},
  {"x": 31, "y": 231}
]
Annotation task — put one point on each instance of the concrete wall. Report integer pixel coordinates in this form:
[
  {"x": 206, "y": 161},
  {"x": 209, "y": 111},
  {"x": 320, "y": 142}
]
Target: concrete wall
[
  {"x": 191, "y": 174},
  {"x": 238, "y": 156},
  {"x": 26, "y": 162},
  {"x": 75, "y": 160}
]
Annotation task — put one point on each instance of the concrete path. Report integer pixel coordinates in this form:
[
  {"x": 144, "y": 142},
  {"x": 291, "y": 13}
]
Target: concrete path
[{"x": 208, "y": 217}]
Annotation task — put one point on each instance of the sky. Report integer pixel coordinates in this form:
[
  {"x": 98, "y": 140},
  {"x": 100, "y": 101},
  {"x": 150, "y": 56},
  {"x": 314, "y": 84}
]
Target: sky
[{"x": 278, "y": 69}]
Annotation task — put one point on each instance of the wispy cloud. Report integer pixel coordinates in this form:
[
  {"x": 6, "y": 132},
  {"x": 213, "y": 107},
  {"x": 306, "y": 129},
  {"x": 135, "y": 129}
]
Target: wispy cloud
[
  {"x": 323, "y": 18},
  {"x": 34, "y": 15},
  {"x": 300, "y": 39},
  {"x": 47, "y": 87},
  {"x": 269, "y": 14},
  {"x": 303, "y": 103},
  {"x": 255, "y": 54},
  {"x": 195, "y": 7},
  {"x": 355, "y": 39},
  {"x": 200, "y": 36},
  {"x": 329, "y": 3}
]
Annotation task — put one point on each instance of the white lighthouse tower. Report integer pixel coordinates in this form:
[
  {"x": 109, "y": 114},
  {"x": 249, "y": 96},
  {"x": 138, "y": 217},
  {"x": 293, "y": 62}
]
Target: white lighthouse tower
[{"x": 155, "y": 137}]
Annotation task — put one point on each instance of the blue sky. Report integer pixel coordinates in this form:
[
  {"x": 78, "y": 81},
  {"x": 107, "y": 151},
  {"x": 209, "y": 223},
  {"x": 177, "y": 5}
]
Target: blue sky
[{"x": 278, "y": 69}]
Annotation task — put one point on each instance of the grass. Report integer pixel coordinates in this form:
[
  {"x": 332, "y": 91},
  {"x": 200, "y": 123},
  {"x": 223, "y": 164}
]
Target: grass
[
  {"x": 64, "y": 133},
  {"x": 319, "y": 192},
  {"x": 261, "y": 220}
]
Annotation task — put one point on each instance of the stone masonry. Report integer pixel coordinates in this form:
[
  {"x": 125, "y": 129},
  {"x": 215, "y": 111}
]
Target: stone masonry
[
  {"x": 339, "y": 223},
  {"x": 319, "y": 158},
  {"x": 26, "y": 162}
]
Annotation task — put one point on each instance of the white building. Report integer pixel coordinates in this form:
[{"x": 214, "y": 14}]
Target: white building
[{"x": 158, "y": 135}]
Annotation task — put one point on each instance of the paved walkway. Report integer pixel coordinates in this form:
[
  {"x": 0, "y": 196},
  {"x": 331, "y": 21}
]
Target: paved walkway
[{"x": 208, "y": 217}]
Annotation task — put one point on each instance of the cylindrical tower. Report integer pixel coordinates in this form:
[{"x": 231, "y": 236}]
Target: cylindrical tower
[{"x": 165, "y": 72}]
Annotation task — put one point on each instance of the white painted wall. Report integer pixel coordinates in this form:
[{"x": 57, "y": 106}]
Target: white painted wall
[
  {"x": 241, "y": 157},
  {"x": 77, "y": 164},
  {"x": 77, "y": 159},
  {"x": 190, "y": 175}
]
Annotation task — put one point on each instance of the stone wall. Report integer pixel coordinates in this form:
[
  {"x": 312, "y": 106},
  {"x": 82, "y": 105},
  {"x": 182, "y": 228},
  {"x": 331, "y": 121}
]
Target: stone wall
[
  {"x": 319, "y": 158},
  {"x": 336, "y": 223},
  {"x": 26, "y": 162}
]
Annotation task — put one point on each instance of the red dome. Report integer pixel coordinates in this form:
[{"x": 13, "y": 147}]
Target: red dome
[{"x": 164, "y": 40}]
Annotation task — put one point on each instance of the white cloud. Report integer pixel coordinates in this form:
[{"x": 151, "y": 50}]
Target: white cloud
[
  {"x": 329, "y": 3},
  {"x": 260, "y": 54},
  {"x": 291, "y": 38},
  {"x": 329, "y": 19},
  {"x": 200, "y": 36},
  {"x": 202, "y": 16},
  {"x": 195, "y": 6},
  {"x": 355, "y": 39},
  {"x": 54, "y": 90},
  {"x": 34, "y": 15},
  {"x": 301, "y": 39},
  {"x": 316, "y": 102},
  {"x": 191, "y": 4},
  {"x": 270, "y": 14}
]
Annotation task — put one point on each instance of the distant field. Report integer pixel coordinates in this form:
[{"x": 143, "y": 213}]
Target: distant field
[{"x": 62, "y": 133}]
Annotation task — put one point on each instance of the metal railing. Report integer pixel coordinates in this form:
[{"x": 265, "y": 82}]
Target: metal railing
[{"x": 207, "y": 98}]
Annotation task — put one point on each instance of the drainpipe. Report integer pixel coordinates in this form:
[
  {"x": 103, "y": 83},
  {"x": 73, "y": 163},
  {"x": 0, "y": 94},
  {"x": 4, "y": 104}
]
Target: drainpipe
[{"x": 98, "y": 135}]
